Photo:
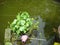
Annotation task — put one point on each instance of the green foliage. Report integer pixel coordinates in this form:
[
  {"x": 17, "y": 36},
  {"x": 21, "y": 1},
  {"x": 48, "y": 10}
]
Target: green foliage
[
  {"x": 8, "y": 43},
  {"x": 22, "y": 23}
]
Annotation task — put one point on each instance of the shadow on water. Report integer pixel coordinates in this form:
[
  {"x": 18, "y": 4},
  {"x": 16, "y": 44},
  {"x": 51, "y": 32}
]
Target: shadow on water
[{"x": 58, "y": 1}]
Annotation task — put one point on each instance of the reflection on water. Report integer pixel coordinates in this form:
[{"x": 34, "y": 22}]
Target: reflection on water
[{"x": 39, "y": 33}]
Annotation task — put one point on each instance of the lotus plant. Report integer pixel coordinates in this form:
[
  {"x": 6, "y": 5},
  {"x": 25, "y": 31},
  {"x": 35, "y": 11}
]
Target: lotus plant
[{"x": 22, "y": 25}]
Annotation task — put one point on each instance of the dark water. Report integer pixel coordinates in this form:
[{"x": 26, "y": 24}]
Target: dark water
[{"x": 49, "y": 10}]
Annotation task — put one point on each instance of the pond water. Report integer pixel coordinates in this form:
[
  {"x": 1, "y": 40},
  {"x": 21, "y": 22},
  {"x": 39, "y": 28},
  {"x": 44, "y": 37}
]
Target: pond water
[{"x": 49, "y": 12}]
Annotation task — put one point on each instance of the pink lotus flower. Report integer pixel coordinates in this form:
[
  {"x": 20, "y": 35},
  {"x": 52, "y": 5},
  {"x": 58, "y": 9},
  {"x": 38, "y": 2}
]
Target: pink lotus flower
[{"x": 24, "y": 38}]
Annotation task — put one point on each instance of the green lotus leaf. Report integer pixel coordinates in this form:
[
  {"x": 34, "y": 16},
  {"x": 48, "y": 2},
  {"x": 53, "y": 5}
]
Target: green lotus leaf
[
  {"x": 28, "y": 19},
  {"x": 18, "y": 23},
  {"x": 27, "y": 29},
  {"x": 22, "y": 22},
  {"x": 16, "y": 26},
  {"x": 30, "y": 22},
  {"x": 18, "y": 32},
  {"x": 22, "y": 28},
  {"x": 14, "y": 22},
  {"x": 25, "y": 15},
  {"x": 18, "y": 16},
  {"x": 24, "y": 31},
  {"x": 11, "y": 26},
  {"x": 27, "y": 24}
]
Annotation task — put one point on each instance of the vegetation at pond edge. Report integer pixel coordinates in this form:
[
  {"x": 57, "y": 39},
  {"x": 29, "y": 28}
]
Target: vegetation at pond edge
[
  {"x": 23, "y": 24},
  {"x": 49, "y": 10}
]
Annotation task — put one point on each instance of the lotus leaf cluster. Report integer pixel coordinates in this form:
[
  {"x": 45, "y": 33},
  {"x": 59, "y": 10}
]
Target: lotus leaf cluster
[{"x": 22, "y": 23}]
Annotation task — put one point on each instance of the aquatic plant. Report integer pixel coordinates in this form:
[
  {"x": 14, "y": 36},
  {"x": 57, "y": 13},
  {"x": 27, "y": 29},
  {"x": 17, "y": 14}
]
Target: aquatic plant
[{"x": 23, "y": 24}]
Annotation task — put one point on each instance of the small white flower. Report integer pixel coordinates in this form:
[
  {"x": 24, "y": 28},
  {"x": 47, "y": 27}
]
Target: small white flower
[{"x": 24, "y": 38}]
